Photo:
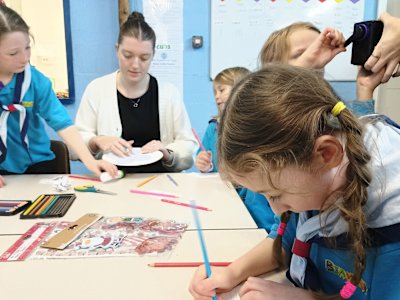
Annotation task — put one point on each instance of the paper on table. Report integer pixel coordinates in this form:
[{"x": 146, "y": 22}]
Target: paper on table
[{"x": 137, "y": 158}]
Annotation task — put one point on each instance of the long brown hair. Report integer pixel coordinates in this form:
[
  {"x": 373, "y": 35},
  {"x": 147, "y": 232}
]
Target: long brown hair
[
  {"x": 276, "y": 48},
  {"x": 273, "y": 119}
]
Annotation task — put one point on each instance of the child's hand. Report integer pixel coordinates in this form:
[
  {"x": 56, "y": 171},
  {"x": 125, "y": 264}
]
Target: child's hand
[
  {"x": 2, "y": 181},
  {"x": 98, "y": 166},
  {"x": 367, "y": 82},
  {"x": 329, "y": 43},
  {"x": 204, "y": 161},
  {"x": 221, "y": 280},
  {"x": 258, "y": 288}
]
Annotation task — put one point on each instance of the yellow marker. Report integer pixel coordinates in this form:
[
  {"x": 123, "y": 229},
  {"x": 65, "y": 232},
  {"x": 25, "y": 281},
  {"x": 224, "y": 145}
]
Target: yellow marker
[
  {"x": 147, "y": 180},
  {"x": 30, "y": 208}
]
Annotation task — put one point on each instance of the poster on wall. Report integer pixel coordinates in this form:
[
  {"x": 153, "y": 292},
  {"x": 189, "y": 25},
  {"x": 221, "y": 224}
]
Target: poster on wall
[
  {"x": 240, "y": 28},
  {"x": 166, "y": 18}
]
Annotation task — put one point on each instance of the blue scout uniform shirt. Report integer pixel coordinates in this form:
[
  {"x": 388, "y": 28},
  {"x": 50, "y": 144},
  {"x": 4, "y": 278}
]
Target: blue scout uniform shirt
[
  {"x": 39, "y": 101},
  {"x": 210, "y": 142},
  {"x": 334, "y": 266},
  {"x": 256, "y": 204}
]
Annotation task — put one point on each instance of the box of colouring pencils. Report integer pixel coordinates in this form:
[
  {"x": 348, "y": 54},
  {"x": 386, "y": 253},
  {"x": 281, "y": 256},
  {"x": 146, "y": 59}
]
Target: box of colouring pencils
[
  {"x": 12, "y": 207},
  {"x": 49, "y": 206}
]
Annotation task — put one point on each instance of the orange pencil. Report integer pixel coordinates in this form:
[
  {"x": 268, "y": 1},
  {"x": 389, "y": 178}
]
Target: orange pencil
[{"x": 45, "y": 204}]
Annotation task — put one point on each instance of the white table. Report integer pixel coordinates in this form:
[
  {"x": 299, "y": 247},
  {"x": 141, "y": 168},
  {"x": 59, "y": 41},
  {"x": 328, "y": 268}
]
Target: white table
[
  {"x": 121, "y": 278},
  {"x": 228, "y": 210}
]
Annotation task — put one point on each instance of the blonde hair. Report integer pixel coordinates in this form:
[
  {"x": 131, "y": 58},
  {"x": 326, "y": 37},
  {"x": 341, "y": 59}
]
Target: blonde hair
[
  {"x": 276, "y": 48},
  {"x": 231, "y": 76},
  {"x": 273, "y": 119}
]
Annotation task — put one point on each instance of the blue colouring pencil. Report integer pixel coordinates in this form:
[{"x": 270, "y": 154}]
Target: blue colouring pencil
[
  {"x": 202, "y": 243},
  {"x": 172, "y": 180}
]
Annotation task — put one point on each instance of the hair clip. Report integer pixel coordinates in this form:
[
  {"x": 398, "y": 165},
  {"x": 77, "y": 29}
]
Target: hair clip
[
  {"x": 281, "y": 229},
  {"x": 347, "y": 290},
  {"x": 337, "y": 109}
]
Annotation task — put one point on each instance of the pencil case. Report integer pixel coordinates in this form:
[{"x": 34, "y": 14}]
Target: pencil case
[
  {"x": 49, "y": 206},
  {"x": 12, "y": 207}
]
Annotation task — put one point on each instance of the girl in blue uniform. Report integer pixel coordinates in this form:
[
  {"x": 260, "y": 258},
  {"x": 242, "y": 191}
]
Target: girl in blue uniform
[
  {"x": 26, "y": 97},
  {"x": 206, "y": 161},
  {"x": 333, "y": 179}
]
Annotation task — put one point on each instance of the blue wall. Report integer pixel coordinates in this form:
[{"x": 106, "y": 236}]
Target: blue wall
[{"x": 94, "y": 31}]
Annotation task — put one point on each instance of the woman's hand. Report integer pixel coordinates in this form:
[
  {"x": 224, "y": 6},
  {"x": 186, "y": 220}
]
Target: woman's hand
[
  {"x": 113, "y": 144},
  {"x": 329, "y": 43},
  {"x": 221, "y": 280},
  {"x": 2, "y": 181},
  {"x": 387, "y": 51},
  {"x": 204, "y": 161},
  {"x": 260, "y": 289},
  {"x": 156, "y": 145}
]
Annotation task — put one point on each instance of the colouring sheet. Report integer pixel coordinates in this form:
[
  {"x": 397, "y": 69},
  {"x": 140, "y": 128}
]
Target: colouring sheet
[{"x": 118, "y": 236}]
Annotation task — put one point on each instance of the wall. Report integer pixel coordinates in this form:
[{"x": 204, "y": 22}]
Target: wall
[{"x": 94, "y": 33}]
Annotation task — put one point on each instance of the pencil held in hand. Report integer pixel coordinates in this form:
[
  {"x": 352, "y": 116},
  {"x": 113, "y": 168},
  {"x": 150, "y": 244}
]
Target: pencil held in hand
[
  {"x": 198, "y": 140},
  {"x": 186, "y": 264}
]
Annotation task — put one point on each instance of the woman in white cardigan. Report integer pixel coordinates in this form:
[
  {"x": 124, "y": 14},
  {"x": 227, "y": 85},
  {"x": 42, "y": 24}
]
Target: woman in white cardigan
[{"x": 129, "y": 108}]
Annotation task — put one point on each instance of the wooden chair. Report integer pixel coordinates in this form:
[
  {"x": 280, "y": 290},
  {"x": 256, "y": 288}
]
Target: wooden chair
[{"x": 62, "y": 163}]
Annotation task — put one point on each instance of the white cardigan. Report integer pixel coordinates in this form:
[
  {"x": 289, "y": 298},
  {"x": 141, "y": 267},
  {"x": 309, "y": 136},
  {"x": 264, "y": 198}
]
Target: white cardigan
[{"x": 98, "y": 114}]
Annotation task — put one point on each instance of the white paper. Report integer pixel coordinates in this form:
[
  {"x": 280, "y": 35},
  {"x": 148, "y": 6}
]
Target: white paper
[{"x": 137, "y": 158}]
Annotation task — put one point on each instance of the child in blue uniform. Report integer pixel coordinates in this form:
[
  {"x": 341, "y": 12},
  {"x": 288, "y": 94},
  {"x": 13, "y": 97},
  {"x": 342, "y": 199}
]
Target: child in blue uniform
[
  {"x": 26, "y": 97},
  {"x": 287, "y": 135},
  {"x": 206, "y": 161}
]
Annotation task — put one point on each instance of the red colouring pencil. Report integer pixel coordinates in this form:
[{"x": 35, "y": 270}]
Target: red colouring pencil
[
  {"x": 186, "y": 264},
  {"x": 198, "y": 140},
  {"x": 84, "y": 177},
  {"x": 185, "y": 204}
]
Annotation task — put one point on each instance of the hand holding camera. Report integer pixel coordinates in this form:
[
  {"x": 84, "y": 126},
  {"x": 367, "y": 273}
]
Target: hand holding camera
[{"x": 364, "y": 38}]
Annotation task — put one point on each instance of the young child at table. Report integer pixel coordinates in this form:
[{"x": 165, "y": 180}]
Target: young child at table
[
  {"x": 206, "y": 161},
  {"x": 332, "y": 177},
  {"x": 303, "y": 44},
  {"x": 26, "y": 97}
]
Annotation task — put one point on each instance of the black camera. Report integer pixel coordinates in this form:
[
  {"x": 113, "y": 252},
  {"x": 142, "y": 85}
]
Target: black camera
[{"x": 365, "y": 36}]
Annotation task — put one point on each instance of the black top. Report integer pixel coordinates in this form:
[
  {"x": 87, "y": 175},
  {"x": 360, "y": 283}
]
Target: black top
[{"x": 141, "y": 123}]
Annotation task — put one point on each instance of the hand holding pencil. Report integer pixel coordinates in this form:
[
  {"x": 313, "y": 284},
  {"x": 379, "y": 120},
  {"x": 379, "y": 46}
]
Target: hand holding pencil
[{"x": 204, "y": 161}]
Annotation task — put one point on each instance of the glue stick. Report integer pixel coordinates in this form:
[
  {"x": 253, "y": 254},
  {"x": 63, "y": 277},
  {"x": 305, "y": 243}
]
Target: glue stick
[{"x": 105, "y": 177}]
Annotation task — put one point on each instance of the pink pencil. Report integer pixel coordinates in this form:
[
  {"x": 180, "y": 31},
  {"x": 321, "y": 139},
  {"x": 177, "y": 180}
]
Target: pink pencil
[
  {"x": 153, "y": 194},
  {"x": 185, "y": 204},
  {"x": 84, "y": 177},
  {"x": 198, "y": 140}
]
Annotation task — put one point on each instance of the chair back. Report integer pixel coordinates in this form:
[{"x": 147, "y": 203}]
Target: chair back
[{"x": 62, "y": 163}]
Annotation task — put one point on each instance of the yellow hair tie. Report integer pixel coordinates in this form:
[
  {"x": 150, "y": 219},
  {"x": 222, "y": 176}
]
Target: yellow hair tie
[{"x": 337, "y": 109}]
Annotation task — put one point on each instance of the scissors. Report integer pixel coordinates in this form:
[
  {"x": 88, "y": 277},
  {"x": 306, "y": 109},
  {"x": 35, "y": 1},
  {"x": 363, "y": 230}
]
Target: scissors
[{"x": 91, "y": 189}]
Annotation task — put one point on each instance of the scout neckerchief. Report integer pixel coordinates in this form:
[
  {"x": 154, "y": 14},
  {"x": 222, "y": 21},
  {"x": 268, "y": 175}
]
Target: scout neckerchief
[
  {"x": 22, "y": 84},
  {"x": 382, "y": 208}
]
